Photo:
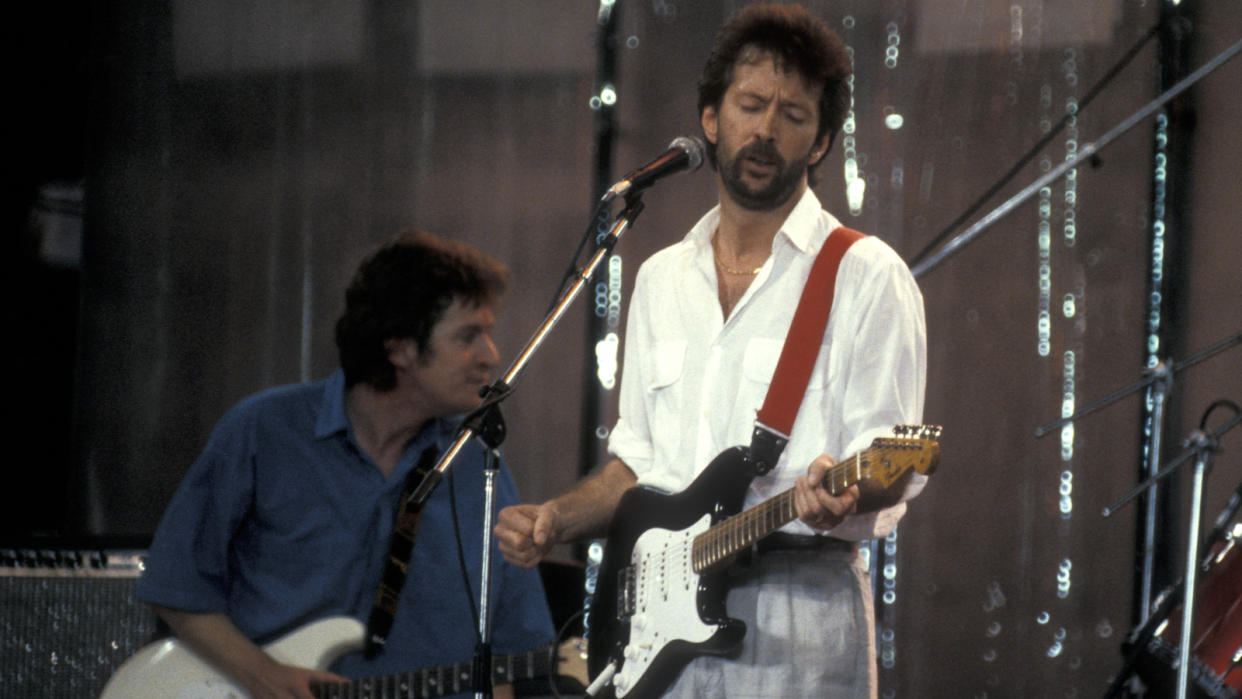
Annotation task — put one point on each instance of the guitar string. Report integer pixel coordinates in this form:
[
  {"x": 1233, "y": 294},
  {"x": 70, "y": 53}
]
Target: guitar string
[
  {"x": 722, "y": 540},
  {"x": 433, "y": 679},
  {"x": 730, "y": 536},
  {"x": 737, "y": 532}
]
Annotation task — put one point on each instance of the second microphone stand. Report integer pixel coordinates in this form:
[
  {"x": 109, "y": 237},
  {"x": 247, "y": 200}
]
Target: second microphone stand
[
  {"x": 487, "y": 424},
  {"x": 1201, "y": 446}
]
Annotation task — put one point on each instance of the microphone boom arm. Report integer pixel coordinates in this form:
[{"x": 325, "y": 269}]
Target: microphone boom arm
[
  {"x": 503, "y": 387},
  {"x": 1086, "y": 151}
]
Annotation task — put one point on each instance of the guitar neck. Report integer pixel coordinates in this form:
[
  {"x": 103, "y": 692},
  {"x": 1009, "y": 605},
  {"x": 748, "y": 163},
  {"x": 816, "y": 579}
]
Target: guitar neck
[
  {"x": 719, "y": 544},
  {"x": 446, "y": 679}
]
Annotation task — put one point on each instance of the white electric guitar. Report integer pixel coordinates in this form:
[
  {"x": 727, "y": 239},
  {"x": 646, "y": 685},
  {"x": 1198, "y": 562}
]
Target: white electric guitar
[{"x": 167, "y": 669}]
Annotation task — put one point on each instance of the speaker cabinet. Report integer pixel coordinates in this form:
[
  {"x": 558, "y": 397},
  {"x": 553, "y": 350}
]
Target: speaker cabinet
[{"x": 68, "y": 619}]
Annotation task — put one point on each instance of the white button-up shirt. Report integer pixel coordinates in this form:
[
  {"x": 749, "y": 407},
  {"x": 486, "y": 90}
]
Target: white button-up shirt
[{"x": 692, "y": 381}]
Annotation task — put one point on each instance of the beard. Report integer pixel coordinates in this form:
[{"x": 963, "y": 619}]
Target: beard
[{"x": 779, "y": 188}]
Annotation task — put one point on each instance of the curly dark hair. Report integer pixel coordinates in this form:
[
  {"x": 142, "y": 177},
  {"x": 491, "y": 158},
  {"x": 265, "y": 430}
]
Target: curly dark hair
[
  {"x": 400, "y": 292},
  {"x": 796, "y": 39}
]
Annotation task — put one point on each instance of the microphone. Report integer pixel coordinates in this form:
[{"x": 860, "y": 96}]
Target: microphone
[{"x": 684, "y": 153}]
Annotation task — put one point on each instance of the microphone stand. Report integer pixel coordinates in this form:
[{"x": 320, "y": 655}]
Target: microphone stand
[
  {"x": 483, "y": 650},
  {"x": 1140, "y": 638},
  {"x": 487, "y": 424},
  {"x": 1201, "y": 445},
  {"x": 1085, "y": 152},
  {"x": 1039, "y": 145},
  {"x": 1160, "y": 379},
  {"x": 1161, "y": 372}
]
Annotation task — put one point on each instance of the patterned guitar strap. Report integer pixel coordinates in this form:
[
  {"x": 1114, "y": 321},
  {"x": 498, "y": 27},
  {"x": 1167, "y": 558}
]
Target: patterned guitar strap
[
  {"x": 397, "y": 564},
  {"x": 774, "y": 422}
]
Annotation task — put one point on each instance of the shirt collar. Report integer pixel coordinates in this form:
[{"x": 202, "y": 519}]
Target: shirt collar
[
  {"x": 334, "y": 420},
  {"x": 332, "y": 416},
  {"x": 798, "y": 228}
]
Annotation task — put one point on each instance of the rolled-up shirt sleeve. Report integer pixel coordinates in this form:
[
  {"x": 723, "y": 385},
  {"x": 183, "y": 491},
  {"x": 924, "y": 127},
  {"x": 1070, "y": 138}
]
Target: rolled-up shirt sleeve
[
  {"x": 187, "y": 565},
  {"x": 884, "y": 369},
  {"x": 631, "y": 440}
]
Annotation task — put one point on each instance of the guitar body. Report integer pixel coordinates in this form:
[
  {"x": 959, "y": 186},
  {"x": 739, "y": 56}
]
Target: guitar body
[
  {"x": 168, "y": 669},
  {"x": 659, "y": 598},
  {"x": 651, "y": 613}
]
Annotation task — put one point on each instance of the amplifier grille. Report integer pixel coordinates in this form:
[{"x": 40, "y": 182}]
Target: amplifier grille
[{"x": 68, "y": 619}]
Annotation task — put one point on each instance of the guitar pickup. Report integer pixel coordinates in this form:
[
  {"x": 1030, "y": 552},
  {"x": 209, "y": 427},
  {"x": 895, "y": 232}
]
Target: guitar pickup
[{"x": 627, "y": 593}]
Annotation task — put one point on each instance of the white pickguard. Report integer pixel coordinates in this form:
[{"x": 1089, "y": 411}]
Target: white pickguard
[
  {"x": 665, "y": 599},
  {"x": 168, "y": 669}
]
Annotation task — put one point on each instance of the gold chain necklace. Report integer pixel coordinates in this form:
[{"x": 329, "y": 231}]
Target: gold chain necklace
[{"x": 732, "y": 270}]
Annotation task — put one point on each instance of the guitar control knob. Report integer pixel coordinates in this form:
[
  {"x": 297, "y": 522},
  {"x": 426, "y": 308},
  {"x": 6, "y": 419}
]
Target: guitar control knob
[
  {"x": 639, "y": 622},
  {"x": 630, "y": 652}
]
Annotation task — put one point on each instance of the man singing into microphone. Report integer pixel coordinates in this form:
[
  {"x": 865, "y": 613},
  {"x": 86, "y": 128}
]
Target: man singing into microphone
[{"x": 706, "y": 324}]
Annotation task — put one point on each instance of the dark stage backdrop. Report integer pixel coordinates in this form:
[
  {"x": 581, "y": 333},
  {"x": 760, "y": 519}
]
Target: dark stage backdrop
[{"x": 243, "y": 157}]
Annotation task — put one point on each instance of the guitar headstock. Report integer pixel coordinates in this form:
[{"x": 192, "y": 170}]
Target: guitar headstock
[
  {"x": 914, "y": 447},
  {"x": 931, "y": 432}
]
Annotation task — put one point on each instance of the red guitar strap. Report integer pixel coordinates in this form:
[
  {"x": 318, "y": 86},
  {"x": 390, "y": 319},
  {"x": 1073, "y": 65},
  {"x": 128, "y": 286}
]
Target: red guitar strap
[{"x": 775, "y": 419}]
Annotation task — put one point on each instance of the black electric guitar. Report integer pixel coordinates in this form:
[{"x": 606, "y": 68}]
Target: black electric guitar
[
  {"x": 659, "y": 599},
  {"x": 169, "y": 669}
]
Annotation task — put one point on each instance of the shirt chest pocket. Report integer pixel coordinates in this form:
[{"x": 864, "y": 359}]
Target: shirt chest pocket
[
  {"x": 665, "y": 386},
  {"x": 668, "y": 359},
  {"x": 760, "y": 359},
  {"x": 758, "y": 366}
]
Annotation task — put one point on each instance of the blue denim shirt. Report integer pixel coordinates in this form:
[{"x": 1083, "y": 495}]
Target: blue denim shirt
[{"x": 283, "y": 520}]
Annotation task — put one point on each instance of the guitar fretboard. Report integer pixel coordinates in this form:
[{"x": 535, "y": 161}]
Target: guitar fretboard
[
  {"x": 719, "y": 544},
  {"x": 446, "y": 679}
]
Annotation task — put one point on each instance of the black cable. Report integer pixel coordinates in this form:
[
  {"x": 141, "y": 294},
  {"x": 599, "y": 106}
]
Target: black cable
[
  {"x": 474, "y": 610},
  {"x": 461, "y": 561},
  {"x": 1224, "y": 402},
  {"x": 573, "y": 270},
  {"x": 556, "y": 646},
  {"x": 1221, "y": 525},
  {"x": 1039, "y": 145}
]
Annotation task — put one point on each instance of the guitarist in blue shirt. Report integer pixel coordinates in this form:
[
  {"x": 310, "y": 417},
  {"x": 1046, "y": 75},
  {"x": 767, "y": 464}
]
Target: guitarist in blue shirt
[
  {"x": 286, "y": 517},
  {"x": 706, "y": 325}
]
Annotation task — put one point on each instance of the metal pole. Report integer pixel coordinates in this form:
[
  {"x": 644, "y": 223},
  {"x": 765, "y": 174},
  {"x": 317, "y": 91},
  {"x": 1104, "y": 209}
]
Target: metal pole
[
  {"x": 1159, "y": 397},
  {"x": 1087, "y": 151},
  {"x": 484, "y": 684},
  {"x": 604, "y": 104},
  {"x": 1192, "y": 565}
]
